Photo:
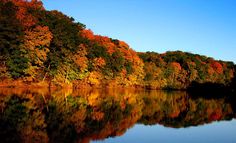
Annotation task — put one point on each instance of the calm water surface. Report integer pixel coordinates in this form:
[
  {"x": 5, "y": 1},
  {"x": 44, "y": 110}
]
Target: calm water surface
[
  {"x": 115, "y": 116},
  {"x": 217, "y": 132}
]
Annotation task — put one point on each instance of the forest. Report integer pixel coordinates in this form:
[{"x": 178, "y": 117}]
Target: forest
[{"x": 47, "y": 48}]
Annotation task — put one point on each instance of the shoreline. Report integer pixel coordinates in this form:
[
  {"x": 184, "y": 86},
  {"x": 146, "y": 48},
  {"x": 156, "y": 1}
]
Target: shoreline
[{"x": 207, "y": 87}]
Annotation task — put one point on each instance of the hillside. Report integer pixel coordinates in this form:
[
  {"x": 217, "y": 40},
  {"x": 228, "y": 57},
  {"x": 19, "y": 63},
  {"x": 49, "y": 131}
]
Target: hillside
[
  {"x": 181, "y": 70},
  {"x": 49, "y": 48}
]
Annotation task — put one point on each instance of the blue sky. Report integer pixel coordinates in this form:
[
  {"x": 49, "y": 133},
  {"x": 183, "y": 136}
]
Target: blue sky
[{"x": 205, "y": 27}]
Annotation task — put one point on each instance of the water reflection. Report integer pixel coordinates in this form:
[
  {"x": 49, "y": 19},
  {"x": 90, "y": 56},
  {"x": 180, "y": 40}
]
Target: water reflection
[
  {"x": 178, "y": 109},
  {"x": 84, "y": 115}
]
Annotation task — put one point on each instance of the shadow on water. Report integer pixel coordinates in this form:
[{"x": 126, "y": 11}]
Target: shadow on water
[
  {"x": 9, "y": 121},
  {"x": 85, "y": 115},
  {"x": 212, "y": 90}
]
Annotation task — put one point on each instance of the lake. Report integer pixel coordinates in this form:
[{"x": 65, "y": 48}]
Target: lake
[{"x": 115, "y": 116}]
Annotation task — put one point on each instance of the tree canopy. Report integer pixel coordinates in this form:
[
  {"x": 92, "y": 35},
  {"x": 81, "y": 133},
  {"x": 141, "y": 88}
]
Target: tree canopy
[{"x": 39, "y": 45}]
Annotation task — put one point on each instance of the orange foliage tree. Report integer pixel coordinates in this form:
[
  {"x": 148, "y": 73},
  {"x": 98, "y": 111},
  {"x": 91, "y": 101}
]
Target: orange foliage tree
[
  {"x": 23, "y": 14},
  {"x": 80, "y": 58},
  {"x": 37, "y": 42}
]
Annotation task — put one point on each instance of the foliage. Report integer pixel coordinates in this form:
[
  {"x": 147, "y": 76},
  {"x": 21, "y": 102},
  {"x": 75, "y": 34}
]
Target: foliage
[
  {"x": 17, "y": 64},
  {"x": 36, "y": 45},
  {"x": 180, "y": 69}
]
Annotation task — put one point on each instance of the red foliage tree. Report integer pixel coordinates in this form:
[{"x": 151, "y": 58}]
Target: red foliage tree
[{"x": 217, "y": 67}]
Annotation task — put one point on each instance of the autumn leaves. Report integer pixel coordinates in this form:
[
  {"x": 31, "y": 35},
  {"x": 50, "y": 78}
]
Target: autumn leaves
[{"x": 39, "y": 45}]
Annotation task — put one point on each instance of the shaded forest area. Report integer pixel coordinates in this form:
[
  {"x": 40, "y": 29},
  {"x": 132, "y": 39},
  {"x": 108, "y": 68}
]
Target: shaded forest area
[{"x": 41, "y": 48}]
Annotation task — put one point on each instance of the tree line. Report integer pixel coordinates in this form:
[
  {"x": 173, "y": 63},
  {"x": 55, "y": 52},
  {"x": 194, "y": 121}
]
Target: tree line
[{"x": 37, "y": 45}]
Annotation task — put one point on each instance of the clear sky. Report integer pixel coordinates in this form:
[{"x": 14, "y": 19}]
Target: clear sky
[{"x": 205, "y": 27}]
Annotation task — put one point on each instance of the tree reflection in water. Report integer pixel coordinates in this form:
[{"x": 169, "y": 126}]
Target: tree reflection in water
[{"x": 85, "y": 115}]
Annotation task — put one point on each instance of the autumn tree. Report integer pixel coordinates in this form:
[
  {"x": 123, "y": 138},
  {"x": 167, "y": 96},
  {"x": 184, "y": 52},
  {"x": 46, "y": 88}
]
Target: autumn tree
[
  {"x": 11, "y": 36},
  {"x": 37, "y": 42}
]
